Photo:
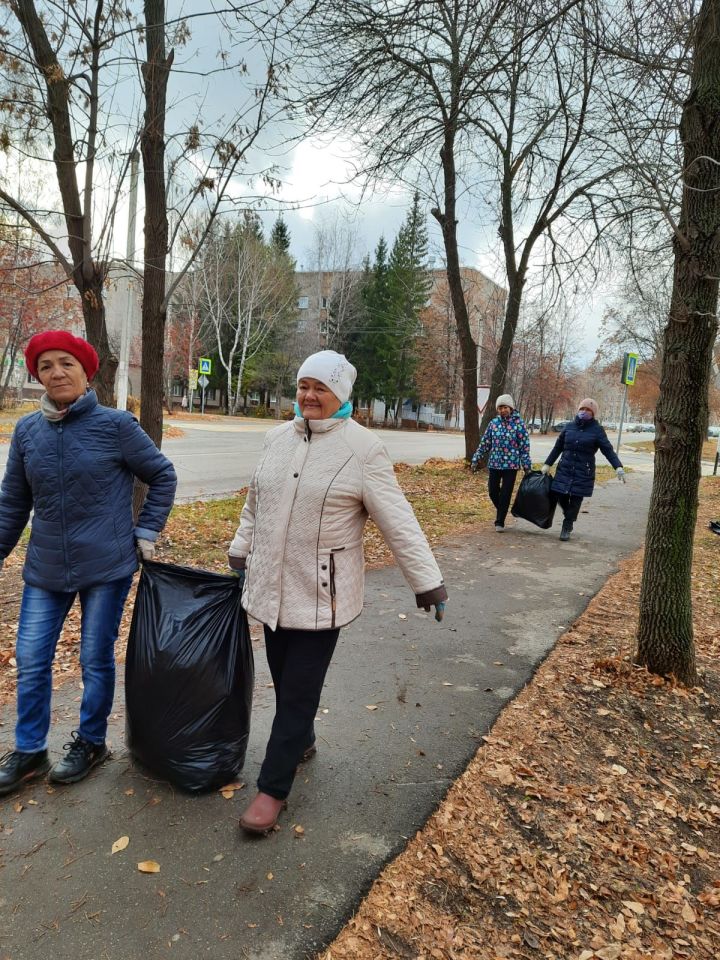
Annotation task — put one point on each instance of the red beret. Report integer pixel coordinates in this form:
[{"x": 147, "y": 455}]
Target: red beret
[{"x": 61, "y": 340}]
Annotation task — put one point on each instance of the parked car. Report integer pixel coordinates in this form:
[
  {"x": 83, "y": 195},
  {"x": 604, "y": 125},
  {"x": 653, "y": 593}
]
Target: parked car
[
  {"x": 713, "y": 432},
  {"x": 560, "y": 426}
]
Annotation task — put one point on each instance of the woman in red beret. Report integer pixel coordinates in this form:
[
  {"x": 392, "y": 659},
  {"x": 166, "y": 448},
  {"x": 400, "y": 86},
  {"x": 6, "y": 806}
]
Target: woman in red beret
[{"x": 72, "y": 465}]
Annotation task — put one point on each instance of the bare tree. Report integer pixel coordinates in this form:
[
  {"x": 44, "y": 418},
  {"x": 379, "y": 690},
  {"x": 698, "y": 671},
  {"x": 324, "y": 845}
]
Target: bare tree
[
  {"x": 334, "y": 258},
  {"x": 63, "y": 68},
  {"x": 405, "y": 81},
  {"x": 545, "y": 139},
  {"x": 247, "y": 293},
  {"x": 665, "y": 631},
  {"x": 59, "y": 72}
]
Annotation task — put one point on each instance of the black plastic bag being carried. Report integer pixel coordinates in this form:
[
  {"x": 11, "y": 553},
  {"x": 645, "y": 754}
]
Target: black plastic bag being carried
[
  {"x": 189, "y": 676},
  {"x": 534, "y": 501}
]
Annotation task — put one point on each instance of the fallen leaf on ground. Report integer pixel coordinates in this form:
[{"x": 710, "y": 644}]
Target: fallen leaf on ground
[
  {"x": 148, "y": 866},
  {"x": 120, "y": 844}
]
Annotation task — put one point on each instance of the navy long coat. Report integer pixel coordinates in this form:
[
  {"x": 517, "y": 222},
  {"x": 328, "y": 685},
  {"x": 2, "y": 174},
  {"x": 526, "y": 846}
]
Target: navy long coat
[
  {"x": 576, "y": 446},
  {"x": 76, "y": 476}
]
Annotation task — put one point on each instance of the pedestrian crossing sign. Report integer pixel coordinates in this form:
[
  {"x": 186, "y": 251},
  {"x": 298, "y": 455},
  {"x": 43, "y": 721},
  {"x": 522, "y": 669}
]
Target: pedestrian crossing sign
[
  {"x": 205, "y": 365},
  {"x": 629, "y": 370}
]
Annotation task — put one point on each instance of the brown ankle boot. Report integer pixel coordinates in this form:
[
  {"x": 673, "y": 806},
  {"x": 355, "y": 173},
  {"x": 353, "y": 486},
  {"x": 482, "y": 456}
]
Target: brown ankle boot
[{"x": 262, "y": 814}]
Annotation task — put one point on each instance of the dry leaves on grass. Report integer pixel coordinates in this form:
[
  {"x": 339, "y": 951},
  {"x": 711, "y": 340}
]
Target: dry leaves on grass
[{"x": 586, "y": 827}]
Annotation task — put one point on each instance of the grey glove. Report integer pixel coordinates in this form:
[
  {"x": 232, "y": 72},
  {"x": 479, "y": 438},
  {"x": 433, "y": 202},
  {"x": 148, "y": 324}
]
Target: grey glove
[
  {"x": 545, "y": 468},
  {"x": 476, "y": 466},
  {"x": 621, "y": 474},
  {"x": 146, "y": 549},
  {"x": 439, "y": 610}
]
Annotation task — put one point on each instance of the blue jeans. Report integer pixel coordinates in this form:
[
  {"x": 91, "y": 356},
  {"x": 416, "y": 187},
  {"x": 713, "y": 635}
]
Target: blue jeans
[{"x": 42, "y": 614}]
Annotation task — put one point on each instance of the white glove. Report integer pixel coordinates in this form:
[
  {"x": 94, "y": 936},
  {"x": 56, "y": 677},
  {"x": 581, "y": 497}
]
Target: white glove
[
  {"x": 545, "y": 468},
  {"x": 146, "y": 549},
  {"x": 621, "y": 474}
]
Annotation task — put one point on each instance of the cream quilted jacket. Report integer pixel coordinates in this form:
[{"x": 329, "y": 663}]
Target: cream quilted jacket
[{"x": 301, "y": 528}]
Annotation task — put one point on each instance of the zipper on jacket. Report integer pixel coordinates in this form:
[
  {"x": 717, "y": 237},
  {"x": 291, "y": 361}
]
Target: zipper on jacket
[
  {"x": 333, "y": 603},
  {"x": 308, "y": 431},
  {"x": 61, "y": 482}
]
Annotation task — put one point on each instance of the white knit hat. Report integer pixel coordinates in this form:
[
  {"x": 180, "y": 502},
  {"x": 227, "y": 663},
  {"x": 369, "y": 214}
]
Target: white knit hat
[
  {"x": 332, "y": 369},
  {"x": 504, "y": 400}
]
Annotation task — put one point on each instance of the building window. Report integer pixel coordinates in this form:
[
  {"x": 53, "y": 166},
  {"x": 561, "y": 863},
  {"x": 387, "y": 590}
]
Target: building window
[
  {"x": 303, "y": 303},
  {"x": 177, "y": 389},
  {"x": 32, "y": 379},
  {"x": 324, "y": 303}
]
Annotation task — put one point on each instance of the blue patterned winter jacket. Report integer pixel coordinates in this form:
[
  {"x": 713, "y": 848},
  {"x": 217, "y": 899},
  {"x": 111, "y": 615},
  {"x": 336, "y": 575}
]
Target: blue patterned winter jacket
[
  {"x": 76, "y": 476},
  {"x": 505, "y": 444}
]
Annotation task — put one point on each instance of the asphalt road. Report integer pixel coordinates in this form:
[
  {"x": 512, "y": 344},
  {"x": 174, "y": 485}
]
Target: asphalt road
[
  {"x": 217, "y": 457},
  {"x": 406, "y": 704}
]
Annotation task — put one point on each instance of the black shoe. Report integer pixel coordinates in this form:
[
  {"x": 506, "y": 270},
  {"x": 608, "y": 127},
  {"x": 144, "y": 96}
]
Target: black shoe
[
  {"x": 566, "y": 530},
  {"x": 81, "y": 757},
  {"x": 17, "y": 768},
  {"x": 714, "y": 525}
]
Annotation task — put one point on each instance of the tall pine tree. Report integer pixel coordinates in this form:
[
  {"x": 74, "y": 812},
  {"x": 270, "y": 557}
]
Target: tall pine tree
[
  {"x": 409, "y": 283},
  {"x": 280, "y": 236}
]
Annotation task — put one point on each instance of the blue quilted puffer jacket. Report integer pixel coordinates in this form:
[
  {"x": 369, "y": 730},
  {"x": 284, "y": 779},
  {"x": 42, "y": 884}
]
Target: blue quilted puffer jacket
[
  {"x": 576, "y": 446},
  {"x": 76, "y": 475}
]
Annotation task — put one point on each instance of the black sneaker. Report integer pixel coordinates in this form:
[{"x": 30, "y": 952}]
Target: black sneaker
[
  {"x": 566, "y": 530},
  {"x": 17, "y": 768},
  {"x": 81, "y": 757}
]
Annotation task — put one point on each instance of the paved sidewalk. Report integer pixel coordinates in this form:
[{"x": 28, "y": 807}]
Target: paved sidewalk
[{"x": 434, "y": 691}]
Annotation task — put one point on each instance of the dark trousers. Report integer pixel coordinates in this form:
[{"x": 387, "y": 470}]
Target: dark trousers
[
  {"x": 298, "y": 661},
  {"x": 569, "y": 505},
  {"x": 500, "y": 488}
]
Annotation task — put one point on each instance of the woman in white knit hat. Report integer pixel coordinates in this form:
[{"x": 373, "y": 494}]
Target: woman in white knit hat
[
  {"x": 505, "y": 447},
  {"x": 300, "y": 546}
]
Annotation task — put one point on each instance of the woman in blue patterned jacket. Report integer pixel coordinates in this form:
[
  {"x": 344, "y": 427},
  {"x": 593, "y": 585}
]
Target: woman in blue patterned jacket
[
  {"x": 72, "y": 464},
  {"x": 505, "y": 447}
]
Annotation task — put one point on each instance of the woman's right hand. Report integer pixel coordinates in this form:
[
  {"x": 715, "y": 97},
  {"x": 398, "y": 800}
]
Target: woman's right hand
[{"x": 545, "y": 468}]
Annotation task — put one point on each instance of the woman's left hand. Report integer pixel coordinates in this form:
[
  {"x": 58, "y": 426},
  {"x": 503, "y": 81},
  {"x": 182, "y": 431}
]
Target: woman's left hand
[
  {"x": 439, "y": 610},
  {"x": 146, "y": 549}
]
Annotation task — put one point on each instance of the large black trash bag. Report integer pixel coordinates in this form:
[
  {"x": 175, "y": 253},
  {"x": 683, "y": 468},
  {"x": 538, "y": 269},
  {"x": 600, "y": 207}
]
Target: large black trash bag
[
  {"x": 534, "y": 501},
  {"x": 189, "y": 676}
]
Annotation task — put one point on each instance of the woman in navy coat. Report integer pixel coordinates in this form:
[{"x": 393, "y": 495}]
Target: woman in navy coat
[
  {"x": 575, "y": 476},
  {"x": 72, "y": 464}
]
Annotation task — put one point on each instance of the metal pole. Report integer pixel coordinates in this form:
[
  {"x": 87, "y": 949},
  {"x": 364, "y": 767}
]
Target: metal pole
[
  {"x": 622, "y": 420},
  {"x": 124, "y": 361},
  {"x": 202, "y": 404}
]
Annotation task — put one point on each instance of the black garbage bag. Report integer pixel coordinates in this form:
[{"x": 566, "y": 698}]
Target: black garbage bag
[
  {"x": 534, "y": 501},
  {"x": 189, "y": 676}
]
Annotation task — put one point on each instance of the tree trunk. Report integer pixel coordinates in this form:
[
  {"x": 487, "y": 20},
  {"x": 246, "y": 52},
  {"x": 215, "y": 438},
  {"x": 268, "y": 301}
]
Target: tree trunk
[
  {"x": 665, "y": 632},
  {"x": 502, "y": 359},
  {"x": 93, "y": 308},
  {"x": 468, "y": 348},
  {"x": 152, "y": 142}
]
